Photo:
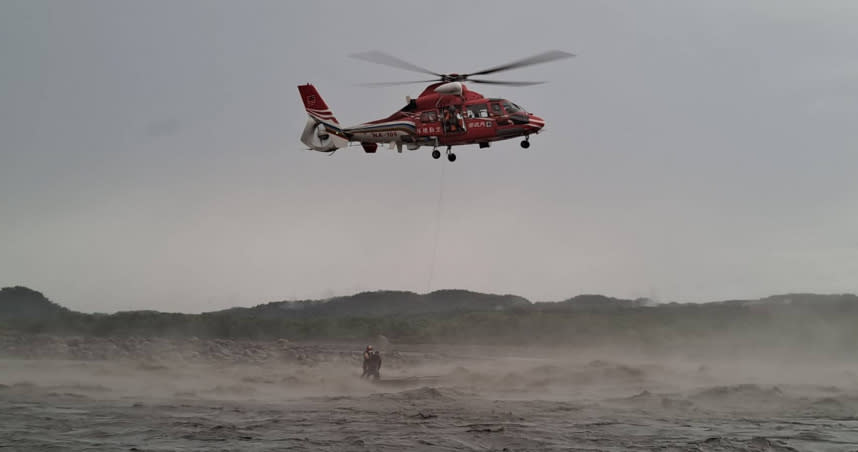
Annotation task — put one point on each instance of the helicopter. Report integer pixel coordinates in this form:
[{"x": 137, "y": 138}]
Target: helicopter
[{"x": 447, "y": 113}]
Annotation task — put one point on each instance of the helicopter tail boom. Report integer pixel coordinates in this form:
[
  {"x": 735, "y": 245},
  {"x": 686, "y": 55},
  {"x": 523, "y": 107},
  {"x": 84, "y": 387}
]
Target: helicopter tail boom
[{"x": 322, "y": 132}]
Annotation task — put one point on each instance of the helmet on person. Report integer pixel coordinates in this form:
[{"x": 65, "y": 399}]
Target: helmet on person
[{"x": 369, "y": 347}]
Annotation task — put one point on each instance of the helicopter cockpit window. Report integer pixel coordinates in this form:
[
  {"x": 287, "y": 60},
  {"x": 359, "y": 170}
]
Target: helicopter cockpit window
[
  {"x": 496, "y": 109},
  {"x": 511, "y": 107},
  {"x": 478, "y": 111}
]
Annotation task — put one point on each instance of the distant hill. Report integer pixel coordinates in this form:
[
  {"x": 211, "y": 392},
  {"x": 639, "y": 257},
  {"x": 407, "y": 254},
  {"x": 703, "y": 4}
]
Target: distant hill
[
  {"x": 388, "y": 303},
  {"x": 819, "y": 323},
  {"x": 590, "y": 302},
  {"x": 21, "y": 303},
  {"x": 806, "y": 299}
]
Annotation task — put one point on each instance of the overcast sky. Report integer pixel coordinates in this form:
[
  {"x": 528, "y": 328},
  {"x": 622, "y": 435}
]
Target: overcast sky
[{"x": 150, "y": 154}]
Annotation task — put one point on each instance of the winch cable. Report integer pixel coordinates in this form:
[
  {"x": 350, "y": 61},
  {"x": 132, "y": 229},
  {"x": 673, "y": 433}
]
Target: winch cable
[{"x": 437, "y": 228}]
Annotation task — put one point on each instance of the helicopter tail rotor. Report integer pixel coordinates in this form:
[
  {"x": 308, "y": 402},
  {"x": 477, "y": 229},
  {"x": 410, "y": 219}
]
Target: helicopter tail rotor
[{"x": 322, "y": 132}]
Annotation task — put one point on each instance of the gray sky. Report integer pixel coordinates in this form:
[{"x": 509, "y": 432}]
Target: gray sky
[{"x": 149, "y": 152}]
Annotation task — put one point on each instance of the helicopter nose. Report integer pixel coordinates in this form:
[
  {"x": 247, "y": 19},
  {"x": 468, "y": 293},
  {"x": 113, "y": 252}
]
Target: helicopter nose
[{"x": 536, "y": 122}]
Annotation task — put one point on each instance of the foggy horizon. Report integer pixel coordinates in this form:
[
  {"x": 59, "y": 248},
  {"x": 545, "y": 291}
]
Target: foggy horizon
[{"x": 150, "y": 154}]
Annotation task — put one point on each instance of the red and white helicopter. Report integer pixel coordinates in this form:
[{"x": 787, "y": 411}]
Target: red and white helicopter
[{"x": 446, "y": 113}]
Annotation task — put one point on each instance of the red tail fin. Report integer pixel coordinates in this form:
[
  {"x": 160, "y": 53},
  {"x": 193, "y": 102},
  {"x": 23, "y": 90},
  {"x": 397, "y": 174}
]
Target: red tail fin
[
  {"x": 322, "y": 131},
  {"x": 315, "y": 105}
]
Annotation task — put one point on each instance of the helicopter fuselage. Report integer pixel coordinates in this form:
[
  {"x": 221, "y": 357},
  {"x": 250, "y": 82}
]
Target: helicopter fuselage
[
  {"x": 446, "y": 114},
  {"x": 438, "y": 119}
]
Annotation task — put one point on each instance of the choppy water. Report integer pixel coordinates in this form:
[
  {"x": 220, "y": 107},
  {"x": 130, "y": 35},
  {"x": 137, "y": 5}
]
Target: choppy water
[{"x": 515, "y": 405}]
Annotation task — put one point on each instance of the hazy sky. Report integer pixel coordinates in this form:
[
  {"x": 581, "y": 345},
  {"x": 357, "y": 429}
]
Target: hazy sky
[{"x": 149, "y": 152}]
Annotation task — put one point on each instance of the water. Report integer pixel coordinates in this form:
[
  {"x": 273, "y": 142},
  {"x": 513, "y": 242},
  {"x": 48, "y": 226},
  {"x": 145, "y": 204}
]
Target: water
[{"x": 448, "y": 399}]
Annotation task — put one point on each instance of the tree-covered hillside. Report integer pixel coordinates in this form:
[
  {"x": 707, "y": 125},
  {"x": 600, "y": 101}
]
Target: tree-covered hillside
[{"x": 828, "y": 322}]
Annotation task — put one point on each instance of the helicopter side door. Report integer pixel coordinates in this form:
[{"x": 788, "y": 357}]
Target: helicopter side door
[
  {"x": 497, "y": 113},
  {"x": 479, "y": 122},
  {"x": 452, "y": 120}
]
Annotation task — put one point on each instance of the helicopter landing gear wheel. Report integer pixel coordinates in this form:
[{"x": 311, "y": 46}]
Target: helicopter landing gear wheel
[
  {"x": 526, "y": 143},
  {"x": 451, "y": 157},
  {"x": 436, "y": 154}
]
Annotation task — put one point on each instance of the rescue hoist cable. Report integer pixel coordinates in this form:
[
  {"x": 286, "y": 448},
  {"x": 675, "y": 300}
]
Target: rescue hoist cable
[{"x": 437, "y": 228}]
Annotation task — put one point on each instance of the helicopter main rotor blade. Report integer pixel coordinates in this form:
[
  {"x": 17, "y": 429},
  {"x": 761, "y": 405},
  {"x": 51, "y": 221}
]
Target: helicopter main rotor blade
[
  {"x": 529, "y": 61},
  {"x": 502, "y": 82},
  {"x": 397, "y": 83},
  {"x": 374, "y": 56}
]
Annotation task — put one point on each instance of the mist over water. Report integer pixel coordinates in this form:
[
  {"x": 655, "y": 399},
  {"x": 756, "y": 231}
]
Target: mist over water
[{"x": 151, "y": 394}]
